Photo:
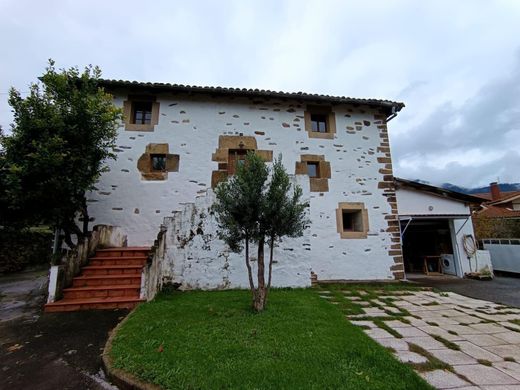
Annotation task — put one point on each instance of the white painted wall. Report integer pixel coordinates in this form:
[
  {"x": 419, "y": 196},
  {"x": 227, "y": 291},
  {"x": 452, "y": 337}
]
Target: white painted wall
[
  {"x": 415, "y": 202},
  {"x": 191, "y": 128}
]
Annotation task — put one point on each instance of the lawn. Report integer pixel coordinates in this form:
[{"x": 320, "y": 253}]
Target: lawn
[{"x": 212, "y": 340}]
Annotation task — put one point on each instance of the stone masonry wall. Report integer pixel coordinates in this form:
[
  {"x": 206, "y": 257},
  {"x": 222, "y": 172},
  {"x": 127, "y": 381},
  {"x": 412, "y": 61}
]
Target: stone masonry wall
[{"x": 360, "y": 171}]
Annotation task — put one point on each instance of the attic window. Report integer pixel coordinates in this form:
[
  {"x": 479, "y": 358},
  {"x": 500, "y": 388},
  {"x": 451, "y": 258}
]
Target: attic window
[
  {"x": 352, "y": 221},
  {"x": 158, "y": 162},
  {"x": 320, "y": 122},
  {"x": 142, "y": 113}
]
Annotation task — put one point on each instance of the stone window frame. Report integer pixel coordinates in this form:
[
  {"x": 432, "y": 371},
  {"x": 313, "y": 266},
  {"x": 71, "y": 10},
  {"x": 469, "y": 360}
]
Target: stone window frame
[
  {"x": 145, "y": 162},
  {"x": 234, "y": 142},
  {"x": 319, "y": 183},
  {"x": 356, "y": 207},
  {"x": 331, "y": 121},
  {"x": 128, "y": 113}
]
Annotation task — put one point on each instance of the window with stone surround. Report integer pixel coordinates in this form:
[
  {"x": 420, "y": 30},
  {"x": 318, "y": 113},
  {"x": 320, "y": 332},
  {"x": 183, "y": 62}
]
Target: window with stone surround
[
  {"x": 320, "y": 122},
  {"x": 318, "y": 170},
  {"x": 352, "y": 220},
  {"x": 236, "y": 157},
  {"x": 158, "y": 162},
  {"x": 141, "y": 113}
]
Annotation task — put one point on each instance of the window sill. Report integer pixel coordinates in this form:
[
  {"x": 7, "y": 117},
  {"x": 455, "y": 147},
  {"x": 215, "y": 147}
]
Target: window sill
[{"x": 136, "y": 127}]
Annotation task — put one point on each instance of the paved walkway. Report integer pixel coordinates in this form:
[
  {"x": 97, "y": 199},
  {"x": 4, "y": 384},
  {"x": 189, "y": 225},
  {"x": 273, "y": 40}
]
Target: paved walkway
[
  {"x": 501, "y": 289},
  {"x": 49, "y": 351},
  {"x": 451, "y": 340}
]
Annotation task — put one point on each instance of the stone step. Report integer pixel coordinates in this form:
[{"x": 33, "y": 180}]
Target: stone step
[
  {"x": 92, "y": 303},
  {"x": 92, "y": 270},
  {"x": 130, "y": 251},
  {"x": 105, "y": 280},
  {"x": 117, "y": 260},
  {"x": 125, "y": 290}
]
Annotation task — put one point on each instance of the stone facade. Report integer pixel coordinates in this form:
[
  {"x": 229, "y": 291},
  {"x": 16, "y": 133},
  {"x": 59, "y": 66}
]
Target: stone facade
[{"x": 200, "y": 130}]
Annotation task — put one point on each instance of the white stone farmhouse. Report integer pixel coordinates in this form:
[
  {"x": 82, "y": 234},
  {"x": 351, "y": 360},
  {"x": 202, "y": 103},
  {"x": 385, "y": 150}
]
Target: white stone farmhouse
[{"x": 178, "y": 142}]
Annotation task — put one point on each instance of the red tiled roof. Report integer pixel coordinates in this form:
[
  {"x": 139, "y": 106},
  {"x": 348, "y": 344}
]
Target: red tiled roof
[
  {"x": 497, "y": 212},
  {"x": 503, "y": 195}
]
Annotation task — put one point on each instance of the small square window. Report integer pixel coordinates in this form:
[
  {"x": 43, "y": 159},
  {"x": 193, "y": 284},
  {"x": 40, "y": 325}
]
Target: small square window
[
  {"x": 313, "y": 169},
  {"x": 236, "y": 157},
  {"x": 352, "y": 220},
  {"x": 142, "y": 113},
  {"x": 158, "y": 162},
  {"x": 319, "y": 123}
]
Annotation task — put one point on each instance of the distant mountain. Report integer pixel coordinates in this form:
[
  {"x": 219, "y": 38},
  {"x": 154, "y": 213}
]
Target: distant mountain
[{"x": 477, "y": 190}]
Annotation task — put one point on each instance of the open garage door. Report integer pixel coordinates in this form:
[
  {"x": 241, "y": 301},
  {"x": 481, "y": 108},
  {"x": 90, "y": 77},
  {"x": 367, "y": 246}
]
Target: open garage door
[{"x": 428, "y": 246}]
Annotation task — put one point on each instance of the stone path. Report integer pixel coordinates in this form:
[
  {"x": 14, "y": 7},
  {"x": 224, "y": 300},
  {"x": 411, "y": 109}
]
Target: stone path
[{"x": 452, "y": 341}]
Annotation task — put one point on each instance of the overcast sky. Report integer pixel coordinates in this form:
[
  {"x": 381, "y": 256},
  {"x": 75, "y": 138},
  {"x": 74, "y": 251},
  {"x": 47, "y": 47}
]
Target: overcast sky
[{"x": 455, "y": 64}]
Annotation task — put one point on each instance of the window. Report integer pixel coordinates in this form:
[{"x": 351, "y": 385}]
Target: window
[
  {"x": 142, "y": 113},
  {"x": 236, "y": 157},
  {"x": 319, "y": 123},
  {"x": 313, "y": 169},
  {"x": 352, "y": 220},
  {"x": 158, "y": 162}
]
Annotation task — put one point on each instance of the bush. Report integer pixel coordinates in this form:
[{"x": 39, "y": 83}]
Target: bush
[{"x": 22, "y": 248}]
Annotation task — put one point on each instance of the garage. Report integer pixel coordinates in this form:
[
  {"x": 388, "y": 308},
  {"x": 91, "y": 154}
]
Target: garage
[{"x": 435, "y": 223}]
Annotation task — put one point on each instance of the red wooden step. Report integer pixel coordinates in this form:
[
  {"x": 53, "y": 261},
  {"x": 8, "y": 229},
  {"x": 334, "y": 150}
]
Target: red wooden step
[
  {"x": 125, "y": 251},
  {"x": 117, "y": 260},
  {"x": 105, "y": 280},
  {"x": 125, "y": 290},
  {"x": 92, "y": 303},
  {"x": 91, "y": 270}
]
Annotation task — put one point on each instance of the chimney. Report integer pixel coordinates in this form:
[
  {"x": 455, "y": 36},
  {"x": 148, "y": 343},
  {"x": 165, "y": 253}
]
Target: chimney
[{"x": 495, "y": 191}]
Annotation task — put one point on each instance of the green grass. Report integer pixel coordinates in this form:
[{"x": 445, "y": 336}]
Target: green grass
[
  {"x": 484, "y": 362},
  {"x": 447, "y": 343},
  {"x": 212, "y": 340}
]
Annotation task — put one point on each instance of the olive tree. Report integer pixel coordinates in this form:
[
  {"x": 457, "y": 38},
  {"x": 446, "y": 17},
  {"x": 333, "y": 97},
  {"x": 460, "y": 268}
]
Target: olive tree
[{"x": 258, "y": 205}]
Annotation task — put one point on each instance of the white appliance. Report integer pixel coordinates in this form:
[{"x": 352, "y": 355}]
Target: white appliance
[{"x": 448, "y": 264}]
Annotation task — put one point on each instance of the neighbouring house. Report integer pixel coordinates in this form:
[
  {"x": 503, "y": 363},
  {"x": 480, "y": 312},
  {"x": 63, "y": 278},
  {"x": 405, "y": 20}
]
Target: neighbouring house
[
  {"x": 497, "y": 226},
  {"x": 437, "y": 231},
  {"x": 499, "y": 215}
]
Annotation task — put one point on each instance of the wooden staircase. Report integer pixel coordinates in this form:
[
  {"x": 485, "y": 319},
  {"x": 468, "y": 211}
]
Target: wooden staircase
[{"x": 112, "y": 280}]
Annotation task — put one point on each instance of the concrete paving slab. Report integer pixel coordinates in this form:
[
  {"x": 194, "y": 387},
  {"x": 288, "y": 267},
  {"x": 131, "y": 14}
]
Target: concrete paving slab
[
  {"x": 509, "y": 368},
  {"x": 442, "y": 379},
  {"x": 500, "y": 387},
  {"x": 484, "y": 375},
  {"x": 463, "y": 330},
  {"x": 411, "y": 332},
  {"x": 509, "y": 337},
  {"x": 509, "y": 350},
  {"x": 394, "y": 343},
  {"x": 427, "y": 342},
  {"x": 397, "y": 324},
  {"x": 370, "y": 324},
  {"x": 416, "y": 322},
  {"x": 483, "y": 340},
  {"x": 439, "y": 331},
  {"x": 378, "y": 333},
  {"x": 466, "y": 319},
  {"x": 477, "y": 352},
  {"x": 374, "y": 311},
  {"x": 452, "y": 357},
  {"x": 488, "y": 328},
  {"x": 410, "y": 357}
]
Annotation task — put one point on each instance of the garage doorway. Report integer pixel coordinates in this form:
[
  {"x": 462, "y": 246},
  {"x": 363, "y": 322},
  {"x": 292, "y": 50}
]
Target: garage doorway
[{"x": 428, "y": 246}]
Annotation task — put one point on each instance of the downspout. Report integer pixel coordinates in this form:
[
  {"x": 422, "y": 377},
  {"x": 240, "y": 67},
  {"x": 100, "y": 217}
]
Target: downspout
[{"x": 392, "y": 115}]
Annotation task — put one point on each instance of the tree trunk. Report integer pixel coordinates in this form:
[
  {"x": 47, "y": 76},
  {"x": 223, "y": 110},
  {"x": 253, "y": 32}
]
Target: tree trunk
[
  {"x": 249, "y": 271},
  {"x": 84, "y": 213},
  {"x": 259, "y": 303},
  {"x": 271, "y": 250}
]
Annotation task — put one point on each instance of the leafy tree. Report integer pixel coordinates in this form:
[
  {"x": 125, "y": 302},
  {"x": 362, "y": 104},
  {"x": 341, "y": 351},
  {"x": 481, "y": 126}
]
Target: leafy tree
[
  {"x": 62, "y": 133},
  {"x": 251, "y": 209}
]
